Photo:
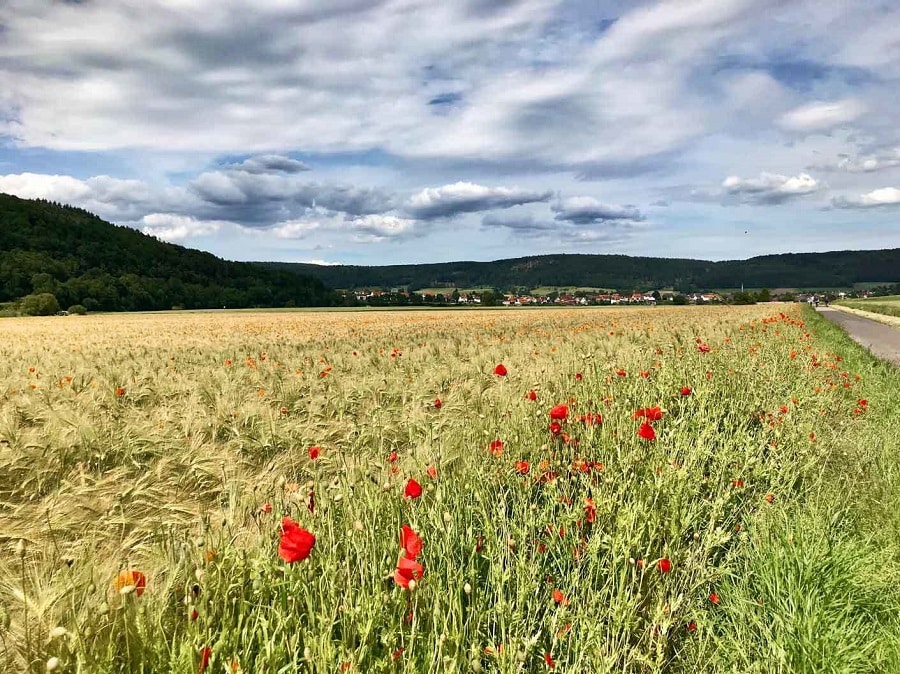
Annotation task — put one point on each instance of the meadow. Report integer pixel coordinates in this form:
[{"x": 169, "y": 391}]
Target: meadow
[
  {"x": 887, "y": 306},
  {"x": 687, "y": 489}
]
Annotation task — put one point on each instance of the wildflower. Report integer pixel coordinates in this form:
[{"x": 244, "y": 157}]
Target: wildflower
[
  {"x": 549, "y": 660},
  {"x": 314, "y": 453},
  {"x": 398, "y": 654},
  {"x": 621, "y": 373},
  {"x": 410, "y": 542},
  {"x": 770, "y": 497},
  {"x": 500, "y": 370},
  {"x": 591, "y": 419},
  {"x": 120, "y": 392},
  {"x": 664, "y": 565},
  {"x": 714, "y": 598},
  {"x": 431, "y": 471},
  {"x": 703, "y": 348},
  {"x": 646, "y": 432},
  {"x": 559, "y": 597},
  {"x": 531, "y": 395},
  {"x": 437, "y": 403},
  {"x": 559, "y": 412},
  {"x": 555, "y": 428},
  {"x": 392, "y": 457},
  {"x": 408, "y": 571},
  {"x": 686, "y": 390},
  {"x": 648, "y": 413},
  {"x": 578, "y": 376},
  {"x": 645, "y": 374},
  {"x": 130, "y": 581},
  {"x": 522, "y": 467},
  {"x": 205, "y": 654},
  {"x": 590, "y": 511},
  {"x": 413, "y": 490},
  {"x": 496, "y": 447},
  {"x": 296, "y": 542},
  {"x": 692, "y": 626}
]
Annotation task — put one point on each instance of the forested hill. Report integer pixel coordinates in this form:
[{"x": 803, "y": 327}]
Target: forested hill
[
  {"x": 81, "y": 259},
  {"x": 621, "y": 272}
]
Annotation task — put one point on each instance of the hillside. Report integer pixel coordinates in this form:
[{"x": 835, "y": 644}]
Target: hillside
[
  {"x": 81, "y": 259},
  {"x": 803, "y": 270}
]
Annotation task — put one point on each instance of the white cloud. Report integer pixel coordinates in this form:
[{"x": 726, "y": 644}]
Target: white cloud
[
  {"x": 885, "y": 196},
  {"x": 863, "y": 164},
  {"x": 822, "y": 116},
  {"x": 171, "y": 227},
  {"x": 588, "y": 210},
  {"x": 373, "y": 228},
  {"x": 465, "y": 197},
  {"x": 294, "y": 230},
  {"x": 771, "y": 188}
]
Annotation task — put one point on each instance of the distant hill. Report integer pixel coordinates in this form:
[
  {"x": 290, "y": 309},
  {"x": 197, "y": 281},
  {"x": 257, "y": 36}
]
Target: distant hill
[
  {"x": 793, "y": 270},
  {"x": 81, "y": 259}
]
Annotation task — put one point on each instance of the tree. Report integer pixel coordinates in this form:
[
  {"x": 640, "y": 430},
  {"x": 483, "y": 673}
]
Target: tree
[
  {"x": 764, "y": 295},
  {"x": 77, "y": 309},
  {"x": 680, "y": 300},
  {"x": 42, "y": 304}
]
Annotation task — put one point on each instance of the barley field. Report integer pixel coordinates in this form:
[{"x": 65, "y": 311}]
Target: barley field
[
  {"x": 697, "y": 489},
  {"x": 888, "y": 306}
]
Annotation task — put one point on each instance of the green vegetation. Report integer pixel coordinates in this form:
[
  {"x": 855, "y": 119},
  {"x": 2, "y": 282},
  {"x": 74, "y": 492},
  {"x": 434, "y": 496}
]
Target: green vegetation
[
  {"x": 840, "y": 269},
  {"x": 77, "y": 258},
  {"x": 888, "y": 306}
]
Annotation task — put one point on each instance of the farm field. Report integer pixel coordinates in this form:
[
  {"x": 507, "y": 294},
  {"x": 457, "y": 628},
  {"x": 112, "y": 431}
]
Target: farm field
[
  {"x": 688, "y": 489},
  {"x": 887, "y": 306}
]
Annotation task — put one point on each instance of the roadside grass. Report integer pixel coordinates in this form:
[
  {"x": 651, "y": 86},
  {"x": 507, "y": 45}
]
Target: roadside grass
[
  {"x": 765, "y": 488},
  {"x": 887, "y": 306}
]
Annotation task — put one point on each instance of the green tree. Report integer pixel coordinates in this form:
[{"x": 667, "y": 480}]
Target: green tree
[
  {"x": 42, "y": 304},
  {"x": 680, "y": 300},
  {"x": 78, "y": 309}
]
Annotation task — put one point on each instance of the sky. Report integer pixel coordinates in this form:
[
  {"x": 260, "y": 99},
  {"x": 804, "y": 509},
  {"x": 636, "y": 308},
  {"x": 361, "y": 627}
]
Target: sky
[{"x": 406, "y": 131}]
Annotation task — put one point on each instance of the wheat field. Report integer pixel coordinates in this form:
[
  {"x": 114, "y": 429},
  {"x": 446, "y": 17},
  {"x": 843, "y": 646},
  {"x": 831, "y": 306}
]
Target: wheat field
[{"x": 697, "y": 489}]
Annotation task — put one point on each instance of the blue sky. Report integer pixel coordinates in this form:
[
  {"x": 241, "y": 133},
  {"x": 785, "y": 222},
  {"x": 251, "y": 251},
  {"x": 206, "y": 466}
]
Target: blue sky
[{"x": 394, "y": 131}]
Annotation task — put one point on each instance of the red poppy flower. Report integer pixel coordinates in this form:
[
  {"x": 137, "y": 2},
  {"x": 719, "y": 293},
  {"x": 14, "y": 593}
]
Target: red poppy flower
[
  {"x": 555, "y": 428},
  {"x": 692, "y": 626},
  {"x": 549, "y": 660},
  {"x": 703, "y": 348},
  {"x": 398, "y": 654},
  {"x": 531, "y": 395},
  {"x": 770, "y": 497},
  {"x": 708, "y": 375},
  {"x": 410, "y": 542},
  {"x": 578, "y": 376},
  {"x": 646, "y": 432},
  {"x": 296, "y": 542},
  {"x": 496, "y": 447},
  {"x": 407, "y": 571},
  {"x": 120, "y": 391},
  {"x": 665, "y": 565},
  {"x": 648, "y": 413},
  {"x": 131, "y": 578},
  {"x": 559, "y": 597},
  {"x": 392, "y": 457},
  {"x": 559, "y": 412},
  {"x": 314, "y": 453},
  {"x": 590, "y": 512},
  {"x": 413, "y": 490},
  {"x": 714, "y": 598},
  {"x": 645, "y": 375},
  {"x": 621, "y": 373},
  {"x": 522, "y": 467},
  {"x": 431, "y": 471},
  {"x": 686, "y": 390},
  {"x": 265, "y": 508},
  {"x": 862, "y": 402},
  {"x": 500, "y": 370},
  {"x": 437, "y": 403},
  {"x": 591, "y": 419},
  {"x": 205, "y": 655}
]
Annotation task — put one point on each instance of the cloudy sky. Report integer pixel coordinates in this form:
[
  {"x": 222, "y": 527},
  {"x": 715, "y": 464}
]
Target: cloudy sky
[{"x": 389, "y": 131}]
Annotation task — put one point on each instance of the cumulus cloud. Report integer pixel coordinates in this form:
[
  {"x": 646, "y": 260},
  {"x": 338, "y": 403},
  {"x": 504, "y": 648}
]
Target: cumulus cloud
[
  {"x": 465, "y": 197},
  {"x": 822, "y": 116},
  {"x": 863, "y": 164},
  {"x": 268, "y": 163},
  {"x": 373, "y": 228},
  {"x": 171, "y": 227},
  {"x": 294, "y": 230},
  {"x": 885, "y": 196},
  {"x": 588, "y": 210},
  {"x": 771, "y": 188}
]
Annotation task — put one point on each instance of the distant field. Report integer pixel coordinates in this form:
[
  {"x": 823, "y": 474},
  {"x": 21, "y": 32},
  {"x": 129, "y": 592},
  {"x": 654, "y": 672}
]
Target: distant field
[
  {"x": 888, "y": 305},
  {"x": 649, "y": 491}
]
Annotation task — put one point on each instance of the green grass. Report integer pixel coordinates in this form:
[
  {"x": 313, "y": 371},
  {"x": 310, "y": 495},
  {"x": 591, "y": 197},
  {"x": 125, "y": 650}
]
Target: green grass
[
  {"x": 797, "y": 534},
  {"x": 888, "y": 305}
]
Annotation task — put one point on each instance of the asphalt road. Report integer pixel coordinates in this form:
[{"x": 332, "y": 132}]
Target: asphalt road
[{"x": 882, "y": 340}]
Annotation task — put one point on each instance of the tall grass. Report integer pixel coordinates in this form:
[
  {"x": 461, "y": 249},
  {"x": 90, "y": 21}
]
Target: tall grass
[{"x": 769, "y": 486}]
